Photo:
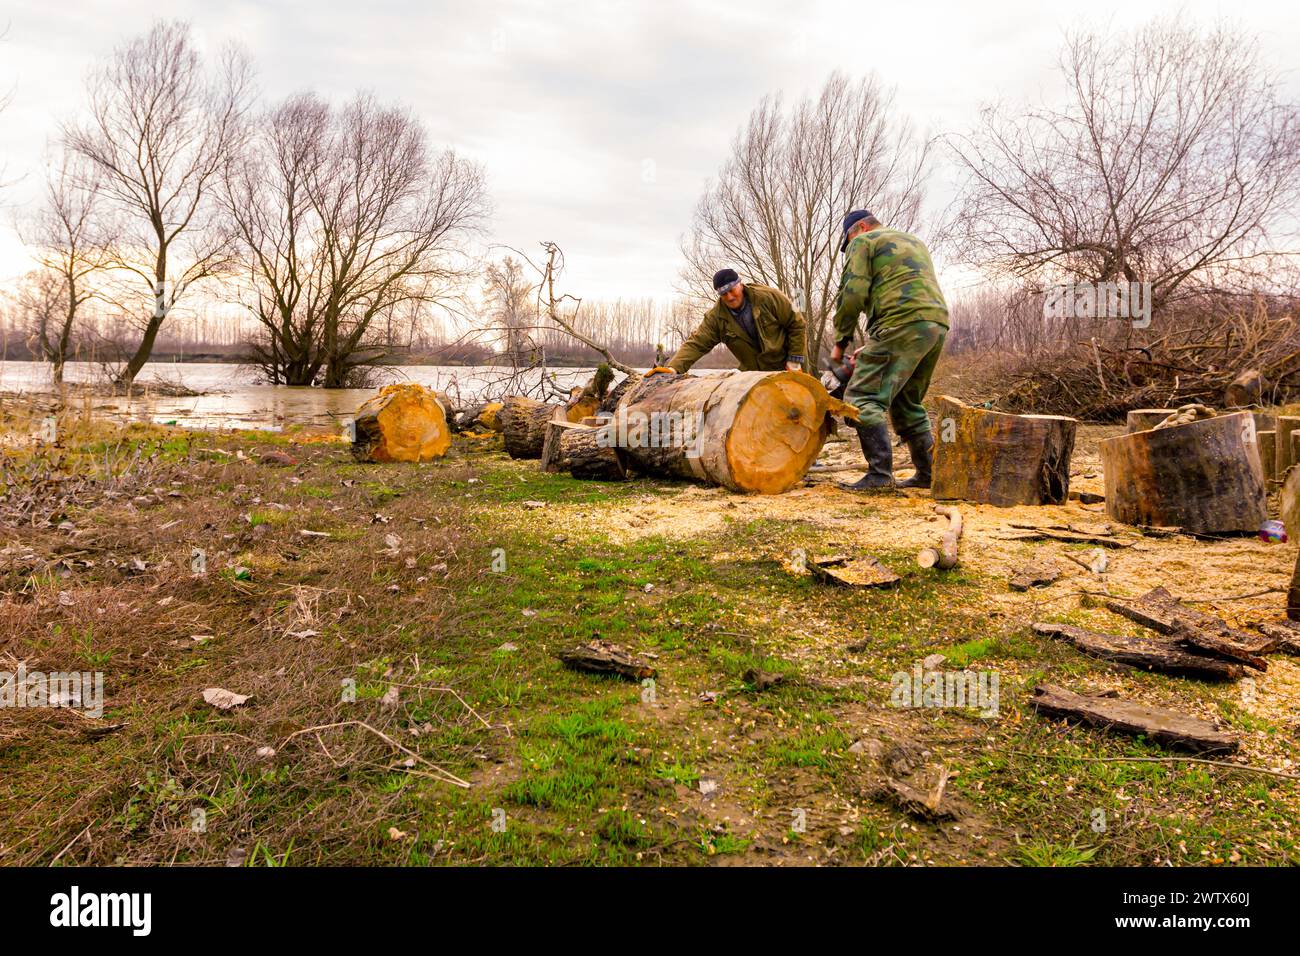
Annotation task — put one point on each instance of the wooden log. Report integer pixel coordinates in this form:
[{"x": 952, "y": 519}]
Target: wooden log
[
  {"x": 1143, "y": 419},
  {"x": 1289, "y": 504},
  {"x": 1245, "y": 390},
  {"x": 1167, "y": 727},
  {"x": 753, "y": 432},
  {"x": 944, "y": 556},
  {"x": 591, "y": 454},
  {"x": 1001, "y": 459},
  {"x": 1283, "y": 449},
  {"x": 1149, "y": 654},
  {"x": 1204, "y": 476},
  {"x": 405, "y": 422},
  {"x": 523, "y": 425},
  {"x": 602, "y": 657},
  {"x": 1266, "y": 448},
  {"x": 614, "y": 396}
]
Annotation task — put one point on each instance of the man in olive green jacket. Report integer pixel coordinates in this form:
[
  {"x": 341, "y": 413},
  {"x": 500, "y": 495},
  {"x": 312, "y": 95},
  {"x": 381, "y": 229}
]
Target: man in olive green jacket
[{"x": 757, "y": 323}]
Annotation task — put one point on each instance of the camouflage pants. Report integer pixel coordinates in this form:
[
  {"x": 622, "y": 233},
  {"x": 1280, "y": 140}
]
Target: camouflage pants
[{"x": 893, "y": 374}]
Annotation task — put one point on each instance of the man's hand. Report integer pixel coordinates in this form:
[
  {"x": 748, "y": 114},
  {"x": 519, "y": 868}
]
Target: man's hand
[
  {"x": 793, "y": 367},
  {"x": 659, "y": 369},
  {"x": 837, "y": 353}
]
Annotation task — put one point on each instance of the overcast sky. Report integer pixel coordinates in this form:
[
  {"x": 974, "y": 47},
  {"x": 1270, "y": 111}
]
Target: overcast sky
[{"x": 566, "y": 104}]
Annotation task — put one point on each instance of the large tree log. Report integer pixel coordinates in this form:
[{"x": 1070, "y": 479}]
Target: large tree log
[
  {"x": 1167, "y": 727},
  {"x": 404, "y": 422},
  {"x": 1283, "y": 449},
  {"x": 1143, "y": 419},
  {"x": 550, "y": 459},
  {"x": 587, "y": 453},
  {"x": 1001, "y": 459},
  {"x": 747, "y": 431},
  {"x": 523, "y": 425},
  {"x": 1204, "y": 476},
  {"x": 1150, "y": 654}
]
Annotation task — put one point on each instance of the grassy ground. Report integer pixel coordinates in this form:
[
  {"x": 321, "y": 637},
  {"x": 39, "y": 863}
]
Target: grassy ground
[{"x": 412, "y": 650}]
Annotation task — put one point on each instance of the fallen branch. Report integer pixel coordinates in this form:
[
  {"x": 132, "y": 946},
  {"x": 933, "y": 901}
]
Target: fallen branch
[{"x": 944, "y": 556}]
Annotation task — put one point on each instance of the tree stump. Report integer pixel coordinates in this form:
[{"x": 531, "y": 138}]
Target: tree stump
[
  {"x": 1289, "y": 505},
  {"x": 1143, "y": 419},
  {"x": 590, "y": 454},
  {"x": 523, "y": 425},
  {"x": 755, "y": 432},
  {"x": 1246, "y": 389},
  {"x": 1283, "y": 450},
  {"x": 404, "y": 422},
  {"x": 1204, "y": 477},
  {"x": 1001, "y": 459}
]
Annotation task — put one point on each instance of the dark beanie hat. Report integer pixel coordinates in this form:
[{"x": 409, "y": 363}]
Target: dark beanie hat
[
  {"x": 724, "y": 277},
  {"x": 851, "y": 220}
]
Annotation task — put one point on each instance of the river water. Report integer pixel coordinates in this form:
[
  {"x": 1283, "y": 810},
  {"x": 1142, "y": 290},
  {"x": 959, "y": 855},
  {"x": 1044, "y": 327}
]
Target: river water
[{"x": 232, "y": 398}]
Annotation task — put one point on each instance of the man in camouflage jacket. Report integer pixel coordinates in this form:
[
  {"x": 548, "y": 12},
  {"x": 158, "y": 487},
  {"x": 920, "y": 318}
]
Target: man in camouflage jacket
[
  {"x": 757, "y": 323},
  {"x": 889, "y": 278}
]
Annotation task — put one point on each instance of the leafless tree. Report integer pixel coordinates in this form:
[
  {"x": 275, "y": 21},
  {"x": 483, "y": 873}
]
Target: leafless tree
[
  {"x": 72, "y": 248},
  {"x": 351, "y": 230},
  {"x": 774, "y": 213},
  {"x": 1173, "y": 160},
  {"x": 162, "y": 126},
  {"x": 512, "y": 309}
]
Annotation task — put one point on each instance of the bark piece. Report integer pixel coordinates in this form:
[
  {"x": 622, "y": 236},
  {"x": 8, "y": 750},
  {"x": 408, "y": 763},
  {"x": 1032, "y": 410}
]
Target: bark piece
[
  {"x": 1167, "y": 727},
  {"x": 1001, "y": 459},
  {"x": 1266, "y": 448},
  {"x": 406, "y": 422},
  {"x": 1036, "y": 575},
  {"x": 1285, "y": 636},
  {"x": 847, "y": 572},
  {"x": 1166, "y": 614},
  {"x": 1149, "y": 654},
  {"x": 1204, "y": 476},
  {"x": 602, "y": 657}
]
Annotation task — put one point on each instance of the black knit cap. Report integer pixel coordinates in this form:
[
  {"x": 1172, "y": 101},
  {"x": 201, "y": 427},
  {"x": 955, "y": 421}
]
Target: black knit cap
[{"x": 724, "y": 277}]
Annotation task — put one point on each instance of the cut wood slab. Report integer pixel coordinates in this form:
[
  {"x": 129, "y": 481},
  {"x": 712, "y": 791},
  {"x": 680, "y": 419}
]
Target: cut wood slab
[
  {"x": 1167, "y": 727},
  {"x": 1001, "y": 459},
  {"x": 1285, "y": 636},
  {"x": 1161, "y": 655},
  {"x": 1204, "y": 476},
  {"x": 847, "y": 572},
  {"x": 602, "y": 657}
]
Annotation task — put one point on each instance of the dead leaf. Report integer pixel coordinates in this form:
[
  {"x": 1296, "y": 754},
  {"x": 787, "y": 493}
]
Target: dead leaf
[{"x": 223, "y": 699}]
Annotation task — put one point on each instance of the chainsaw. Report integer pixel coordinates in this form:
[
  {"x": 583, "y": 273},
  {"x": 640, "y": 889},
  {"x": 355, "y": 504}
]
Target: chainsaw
[{"x": 836, "y": 377}]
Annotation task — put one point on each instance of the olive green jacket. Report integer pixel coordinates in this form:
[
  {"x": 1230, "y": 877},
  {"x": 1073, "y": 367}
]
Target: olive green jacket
[{"x": 780, "y": 333}]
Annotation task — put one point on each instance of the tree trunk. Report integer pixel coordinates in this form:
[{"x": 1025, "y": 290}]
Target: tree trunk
[
  {"x": 1204, "y": 476},
  {"x": 1266, "y": 446},
  {"x": 754, "y": 432},
  {"x": 1001, "y": 459},
  {"x": 402, "y": 423},
  {"x": 523, "y": 425},
  {"x": 556, "y": 427}
]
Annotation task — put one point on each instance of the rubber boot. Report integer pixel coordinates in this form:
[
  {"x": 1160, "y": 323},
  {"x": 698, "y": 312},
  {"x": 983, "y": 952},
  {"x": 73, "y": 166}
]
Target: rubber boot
[
  {"x": 922, "y": 447},
  {"x": 880, "y": 460}
]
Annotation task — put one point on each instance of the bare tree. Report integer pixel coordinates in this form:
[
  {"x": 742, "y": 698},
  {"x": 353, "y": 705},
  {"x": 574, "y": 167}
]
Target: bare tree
[
  {"x": 72, "y": 246},
  {"x": 1173, "y": 161},
  {"x": 512, "y": 308},
  {"x": 162, "y": 127},
  {"x": 775, "y": 212}
]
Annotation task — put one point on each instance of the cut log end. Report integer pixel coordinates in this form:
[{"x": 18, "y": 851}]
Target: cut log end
[{"x": 404, "y": 422}]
